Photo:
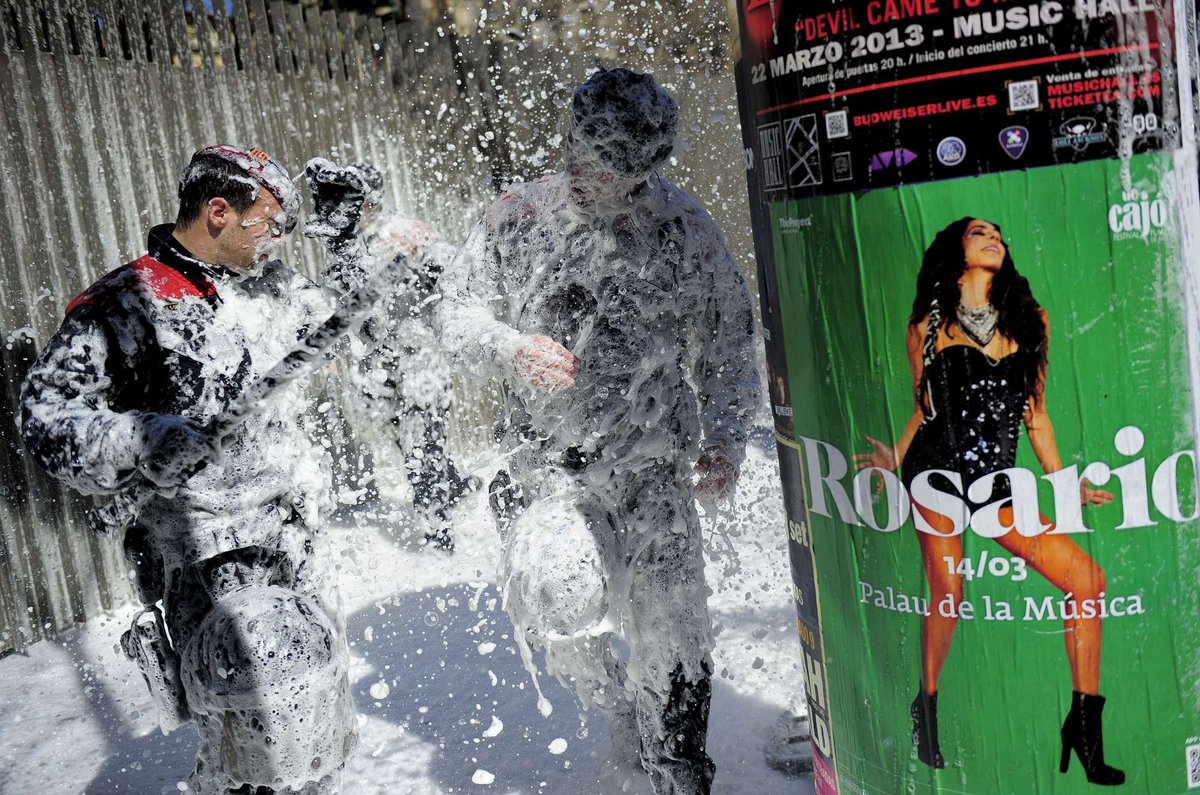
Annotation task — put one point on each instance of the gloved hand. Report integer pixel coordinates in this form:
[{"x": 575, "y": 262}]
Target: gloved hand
[
  {"x": 405, "y": 236},
  {"x": 174, "y": 449},
  {"x": 546, "y": 365},
  {"x": 339, "y": 193},
  {"x": 718, "y": 477}
]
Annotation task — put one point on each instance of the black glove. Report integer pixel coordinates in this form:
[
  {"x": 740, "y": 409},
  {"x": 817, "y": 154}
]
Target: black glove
[
  {"x": 339, "y": 193},
  {"x": 174, "y": 449}
]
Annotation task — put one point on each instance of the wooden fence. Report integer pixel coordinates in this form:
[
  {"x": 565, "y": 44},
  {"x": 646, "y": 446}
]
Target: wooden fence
[{"x": 103, "y": 101}]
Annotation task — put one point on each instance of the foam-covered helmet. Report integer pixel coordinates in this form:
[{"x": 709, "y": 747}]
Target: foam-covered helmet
[
  {"x": 260, "y": 167},
  {"x": 623, "y": 121},
  {"x": 555, "y": 570}
]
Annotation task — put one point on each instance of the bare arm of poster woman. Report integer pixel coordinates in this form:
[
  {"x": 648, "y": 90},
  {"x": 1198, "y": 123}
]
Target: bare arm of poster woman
[
  {"x": 1041, "y": 438},
  {"x": 891, "y": 458}
]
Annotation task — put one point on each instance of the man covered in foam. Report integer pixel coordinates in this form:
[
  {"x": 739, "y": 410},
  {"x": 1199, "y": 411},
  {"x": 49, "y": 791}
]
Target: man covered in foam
[
  {"x": 401, "y": 380},
  {"x": 122, "y": 398},
  {"x": 605, "y": 298}
]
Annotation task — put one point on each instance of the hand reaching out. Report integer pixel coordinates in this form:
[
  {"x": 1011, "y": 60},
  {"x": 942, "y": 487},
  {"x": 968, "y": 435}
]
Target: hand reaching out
[
  {"x": 718, "y": 476},
  {"x": 338, "y": 193},
  {"x": 175, "y": 449},
  {"x": 1091, "y": 496},
  {"x": 546, "y": 365},
  {"x": 883, "y": 456},
  {"x": 405, "y": 237}
]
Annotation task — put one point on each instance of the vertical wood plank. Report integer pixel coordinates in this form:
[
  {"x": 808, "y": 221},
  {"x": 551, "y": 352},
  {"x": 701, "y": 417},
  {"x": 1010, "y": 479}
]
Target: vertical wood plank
[
  {"x": 175, "y": 23},
  {"x": 318, "y": 52},
  {"x": 279, "y": 38},
  {"x": 8, "y": 29},
  {"x": 223, "y": 52},
  {"x": 247, "y": 38},
  {"x": 202, "y": 32},
  {"x": 39, "y": 543}
]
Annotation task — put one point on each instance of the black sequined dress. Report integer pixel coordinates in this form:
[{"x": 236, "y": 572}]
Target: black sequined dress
[{"x": 975, "y": 405}]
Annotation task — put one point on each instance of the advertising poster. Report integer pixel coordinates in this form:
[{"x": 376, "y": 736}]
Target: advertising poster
[{"x": 971, "y": 244}]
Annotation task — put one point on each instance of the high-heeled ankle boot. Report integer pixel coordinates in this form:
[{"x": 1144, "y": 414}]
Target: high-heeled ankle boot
[
  {"x": 1082, "y": 733},
  {"x": 925, "y": 729}
]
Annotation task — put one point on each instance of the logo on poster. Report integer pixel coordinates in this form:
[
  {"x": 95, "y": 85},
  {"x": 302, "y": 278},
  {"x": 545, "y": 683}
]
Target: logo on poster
[
  {"x": 891, "y": 159},
  {"x": 803, "y": 150},
  {"x": 770, "y": 156},
  {"x": 1142, "y": 485},
  {"x": 789, "y": 225},
  {"x": 841, "y": 167},
  {"x": 951, "y": 151},
  {"x": 1079, "y": 133},
  {"x": 1193, "y": 766},
  {"x": 1013, "y": 141},
  {"x": 1137, "y": 215}
]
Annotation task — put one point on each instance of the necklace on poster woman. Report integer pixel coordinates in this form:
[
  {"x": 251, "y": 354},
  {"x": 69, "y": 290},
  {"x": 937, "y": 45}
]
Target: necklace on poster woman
[{"x": 979, "y": 324}]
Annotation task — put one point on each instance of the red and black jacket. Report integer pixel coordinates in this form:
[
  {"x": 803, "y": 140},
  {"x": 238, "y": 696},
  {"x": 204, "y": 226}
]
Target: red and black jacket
[{"x": 138, "y": 341}]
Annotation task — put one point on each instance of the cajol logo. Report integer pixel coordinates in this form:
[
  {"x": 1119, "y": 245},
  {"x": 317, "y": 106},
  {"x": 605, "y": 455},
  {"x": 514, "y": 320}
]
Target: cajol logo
[{"x": 1137, "y": 214}]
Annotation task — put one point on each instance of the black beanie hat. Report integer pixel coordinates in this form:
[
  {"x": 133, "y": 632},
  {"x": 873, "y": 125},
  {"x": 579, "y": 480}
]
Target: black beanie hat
[{"x": 626, "y": 120}]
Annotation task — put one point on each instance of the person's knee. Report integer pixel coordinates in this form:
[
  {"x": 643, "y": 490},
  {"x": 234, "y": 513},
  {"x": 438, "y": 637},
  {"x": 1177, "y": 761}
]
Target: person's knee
[
  {"x": 1094, "y": 584},
  {"x": 559, "y": 597},
  {"x": 266, "y": 670},
  {"x": 555, "y": 572}
]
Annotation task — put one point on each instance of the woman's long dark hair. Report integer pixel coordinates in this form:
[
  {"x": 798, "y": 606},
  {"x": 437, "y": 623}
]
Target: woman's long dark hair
[{"x": 1020, "y": 314}]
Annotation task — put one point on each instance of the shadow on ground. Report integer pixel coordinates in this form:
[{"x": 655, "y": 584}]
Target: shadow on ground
[{"x": 450, "y": 667}]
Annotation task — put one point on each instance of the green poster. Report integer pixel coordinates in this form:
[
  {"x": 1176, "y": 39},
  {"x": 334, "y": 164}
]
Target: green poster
[
  {"x": 992, "y": 415},
  {"x": 972, "y": 220}
]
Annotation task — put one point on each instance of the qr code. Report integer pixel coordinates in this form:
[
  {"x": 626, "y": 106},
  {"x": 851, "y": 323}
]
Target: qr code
[
  {"x": 1193, "y": 766},
  {"x": 836, "y": 125},
  {"x": 1023, "y": 95}
]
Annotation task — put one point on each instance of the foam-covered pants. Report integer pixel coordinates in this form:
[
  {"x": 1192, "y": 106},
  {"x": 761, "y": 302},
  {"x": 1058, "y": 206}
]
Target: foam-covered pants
[
  {"x": 265, "y": 674},
  {"x": 584, "y": 560},
  {"x": 418, "y": 428},
  {"x": 435, "y": 480}
]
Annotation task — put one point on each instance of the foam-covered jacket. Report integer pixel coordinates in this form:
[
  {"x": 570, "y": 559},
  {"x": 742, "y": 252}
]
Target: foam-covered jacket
[
  {"x": 168, "y": 334},
  {"x": 402, "y": 362},
  {"x": 647, "y": 297}
]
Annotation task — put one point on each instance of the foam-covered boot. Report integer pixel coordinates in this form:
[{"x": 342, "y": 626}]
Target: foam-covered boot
[{"x": 674, "y": 729}]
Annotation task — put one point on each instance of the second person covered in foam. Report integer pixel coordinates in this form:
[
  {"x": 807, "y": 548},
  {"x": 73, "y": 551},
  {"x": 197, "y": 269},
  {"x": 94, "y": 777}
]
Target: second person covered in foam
[{"x": 605, "y": 299}]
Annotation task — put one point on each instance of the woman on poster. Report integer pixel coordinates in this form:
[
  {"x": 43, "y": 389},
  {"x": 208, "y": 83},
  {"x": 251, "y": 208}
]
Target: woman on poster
[{"x": 977, "y": 347}]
